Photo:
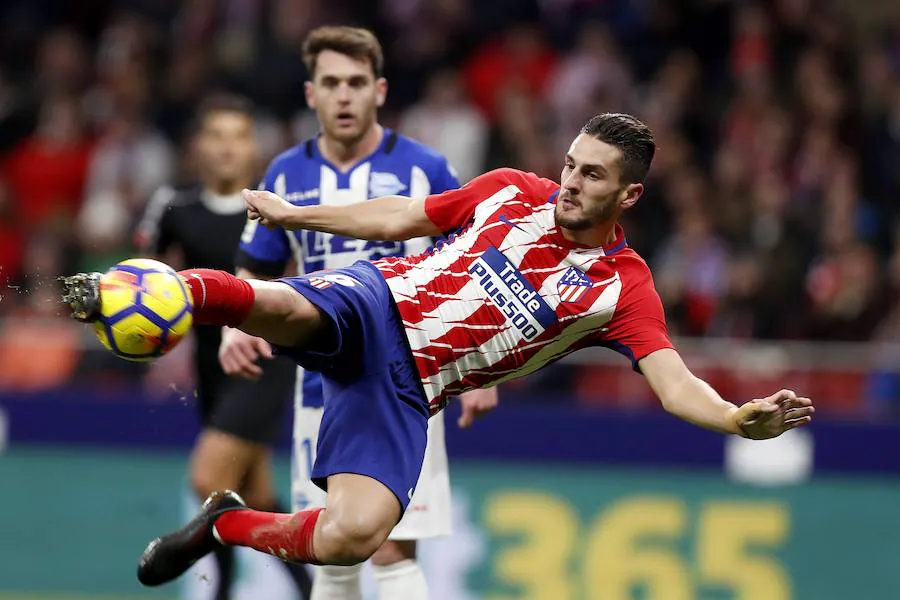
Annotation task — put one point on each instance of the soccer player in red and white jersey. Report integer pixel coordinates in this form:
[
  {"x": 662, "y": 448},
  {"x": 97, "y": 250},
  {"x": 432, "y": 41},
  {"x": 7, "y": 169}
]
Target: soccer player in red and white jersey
[{"x": 530, "y": 271}]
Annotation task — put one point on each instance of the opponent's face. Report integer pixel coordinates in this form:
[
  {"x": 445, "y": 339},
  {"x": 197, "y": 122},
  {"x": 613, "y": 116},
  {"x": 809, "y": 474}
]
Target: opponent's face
[
  {"x": 226, "y": 147},
  {"x": 591, "y": 189},
  {"x": 345, "y": 95}
]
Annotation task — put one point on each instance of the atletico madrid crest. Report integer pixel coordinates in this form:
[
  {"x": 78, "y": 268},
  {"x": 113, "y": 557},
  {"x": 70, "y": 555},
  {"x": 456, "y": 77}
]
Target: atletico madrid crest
[{"x": 573, "y": 285}]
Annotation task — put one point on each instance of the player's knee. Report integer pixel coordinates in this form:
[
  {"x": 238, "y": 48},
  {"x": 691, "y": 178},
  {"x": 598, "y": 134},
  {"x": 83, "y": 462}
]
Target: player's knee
[
  {"x": 353, "y": 538},
  {"x": 392, "y": 551}
]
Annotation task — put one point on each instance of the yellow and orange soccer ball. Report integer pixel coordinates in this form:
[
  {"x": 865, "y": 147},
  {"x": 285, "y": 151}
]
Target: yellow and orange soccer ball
[{"x": 145, "y": 309}]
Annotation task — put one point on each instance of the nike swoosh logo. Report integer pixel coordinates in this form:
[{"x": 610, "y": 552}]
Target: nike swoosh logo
[{"x": 505, "y": 219}]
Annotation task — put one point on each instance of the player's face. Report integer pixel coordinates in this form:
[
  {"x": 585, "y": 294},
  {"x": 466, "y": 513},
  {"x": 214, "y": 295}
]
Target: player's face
[
  {"x": 591, "y": 190},
  {"x": 226, "y": 148},
  {"x": 345, "y": 95}
]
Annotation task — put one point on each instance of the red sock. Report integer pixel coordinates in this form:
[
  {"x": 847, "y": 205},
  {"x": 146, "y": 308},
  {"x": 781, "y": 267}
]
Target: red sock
[
  {"x": 289, "y": 537},
  {"x": 220, "y": 298}
]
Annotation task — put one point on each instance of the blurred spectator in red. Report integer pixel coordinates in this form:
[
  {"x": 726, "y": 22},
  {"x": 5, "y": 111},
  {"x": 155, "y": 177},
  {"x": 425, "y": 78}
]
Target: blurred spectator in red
[
  {"x": 751, "y": 50},
  {"x": 690, "y": 270},
  {"x": 846, "y": 294},
  {"x": 844, "y": 283},
  {"x": 47, "y": 171},
  {"x": 519, "y": 58}
]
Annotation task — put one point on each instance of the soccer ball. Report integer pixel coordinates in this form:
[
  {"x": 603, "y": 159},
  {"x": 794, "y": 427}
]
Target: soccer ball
[{"x": 145, "y": 309}]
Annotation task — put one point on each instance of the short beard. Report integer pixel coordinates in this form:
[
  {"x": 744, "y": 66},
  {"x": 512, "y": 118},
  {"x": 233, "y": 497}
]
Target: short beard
[
  {"x": 586, "y": 221},
  {"x": 579, "y": 224}
]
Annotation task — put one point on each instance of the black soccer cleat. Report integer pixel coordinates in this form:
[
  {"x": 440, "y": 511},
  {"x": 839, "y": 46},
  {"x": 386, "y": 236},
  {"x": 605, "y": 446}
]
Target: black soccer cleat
[
  {"x": 167, "y": 557},
  {"x": 82, "y": 293}
]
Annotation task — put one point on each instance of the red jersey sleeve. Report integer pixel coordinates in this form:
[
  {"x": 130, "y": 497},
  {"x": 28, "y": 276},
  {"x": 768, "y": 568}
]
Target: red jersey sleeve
[
  {"x": 454, "y": 209},
  {"x": 638, "y": 327}
]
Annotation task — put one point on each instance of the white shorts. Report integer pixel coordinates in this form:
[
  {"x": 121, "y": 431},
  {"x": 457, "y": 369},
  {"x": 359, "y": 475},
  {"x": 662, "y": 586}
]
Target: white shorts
[{"x": 428, "y": 514}]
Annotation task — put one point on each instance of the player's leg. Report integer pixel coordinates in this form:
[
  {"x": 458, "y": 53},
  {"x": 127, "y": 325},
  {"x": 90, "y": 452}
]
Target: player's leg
[
  {"x": 259, "y": 493},
  {"x": 337, "y": 582},
  {"x": 258, "y": 489},
  {"x": 226, "y": 449},
  {"x": 253, "y": 413},
  {"x": 208, "y": 466},
  {"x": 267, "y": 309},
  {"x": 218, "y": 462},
  {"x": 221, "y": 461},
  {"x": 397, "y": 571},
  {"x": 246, "y": 419},
  {"x": 359, "y": 514},
  {"x": 371, "y": 444},
  {"x": 330, "y": 582},
  {"x": 371, "y": 425}
]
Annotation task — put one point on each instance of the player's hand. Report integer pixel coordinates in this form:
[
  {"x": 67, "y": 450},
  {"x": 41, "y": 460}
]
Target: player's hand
[
  {"x": 239, "y": 353},
  {"x": 270, "y": 209},
  {"x": 772, "y": 416},
  {"x": 476, "y": 403}
]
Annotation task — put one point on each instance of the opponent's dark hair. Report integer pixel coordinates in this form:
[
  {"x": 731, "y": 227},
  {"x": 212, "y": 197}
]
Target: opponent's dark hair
[
  {"x": 633, "y": 139},
  {"x": 219, "y": 102},
  {"x": 355, "y": 42}
]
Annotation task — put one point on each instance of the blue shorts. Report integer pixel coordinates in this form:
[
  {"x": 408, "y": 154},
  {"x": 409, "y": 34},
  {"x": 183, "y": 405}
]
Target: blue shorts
[{"x": 376, "y": 414}]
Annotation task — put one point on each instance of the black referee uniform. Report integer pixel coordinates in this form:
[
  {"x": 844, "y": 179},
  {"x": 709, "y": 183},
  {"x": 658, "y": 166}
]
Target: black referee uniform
[{"x": 206, "y": 229}]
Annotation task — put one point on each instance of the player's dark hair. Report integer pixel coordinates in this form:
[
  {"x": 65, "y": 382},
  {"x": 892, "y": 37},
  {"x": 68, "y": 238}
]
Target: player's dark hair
[
  {"x": 355, "y": 42},
  {"x": 219, "y": 102},
  {"x": 633, "y": 139}
]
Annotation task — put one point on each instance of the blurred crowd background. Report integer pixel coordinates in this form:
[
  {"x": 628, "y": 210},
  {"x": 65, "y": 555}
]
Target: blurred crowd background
[
  {"x": 772, "y": 211},
  {"x": 771, "y": 221}
]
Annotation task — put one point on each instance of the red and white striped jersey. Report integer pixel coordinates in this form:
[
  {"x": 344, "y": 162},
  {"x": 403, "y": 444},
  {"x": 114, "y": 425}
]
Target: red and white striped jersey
[{"x": 508, "y": 294}]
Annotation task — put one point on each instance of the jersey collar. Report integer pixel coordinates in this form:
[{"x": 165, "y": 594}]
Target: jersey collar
[
  {"x": 388, "y": 140},
  {"x": 222, "y": 205}
]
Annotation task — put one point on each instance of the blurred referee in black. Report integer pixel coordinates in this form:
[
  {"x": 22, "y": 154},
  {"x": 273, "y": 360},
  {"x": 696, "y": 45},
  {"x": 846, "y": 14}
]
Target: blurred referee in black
[{"x": 203, "y": 222}]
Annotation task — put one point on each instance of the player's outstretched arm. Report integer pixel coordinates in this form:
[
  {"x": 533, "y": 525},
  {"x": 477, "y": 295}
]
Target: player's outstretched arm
[
  {"x": 692, "y": 399},
  {"x": 393, "y": 218}
]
